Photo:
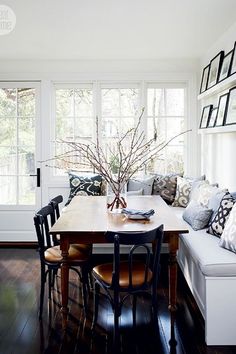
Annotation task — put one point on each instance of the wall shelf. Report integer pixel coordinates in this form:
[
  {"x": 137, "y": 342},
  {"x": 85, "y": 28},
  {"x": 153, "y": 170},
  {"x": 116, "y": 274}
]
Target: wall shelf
[
  {"x": 221, "y": 86},
  {"x": 214, "y": 130}
]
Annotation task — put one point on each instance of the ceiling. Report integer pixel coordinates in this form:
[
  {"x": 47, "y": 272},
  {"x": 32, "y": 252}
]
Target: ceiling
[{"x": 115, "y": 29}]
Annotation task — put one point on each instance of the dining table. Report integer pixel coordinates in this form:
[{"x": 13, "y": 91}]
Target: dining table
[{"x": 87, "y": 219}]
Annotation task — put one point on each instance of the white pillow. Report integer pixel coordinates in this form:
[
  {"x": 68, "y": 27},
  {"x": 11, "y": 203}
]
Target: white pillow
[
  {"x": 202, "y": 192},
  {"x": 138, "y": 192},
  {"x": 145, "y": 183}
]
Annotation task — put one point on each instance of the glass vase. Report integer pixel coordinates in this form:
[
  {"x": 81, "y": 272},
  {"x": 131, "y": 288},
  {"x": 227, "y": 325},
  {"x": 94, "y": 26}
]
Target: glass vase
[{"x": 116, "y": 197}]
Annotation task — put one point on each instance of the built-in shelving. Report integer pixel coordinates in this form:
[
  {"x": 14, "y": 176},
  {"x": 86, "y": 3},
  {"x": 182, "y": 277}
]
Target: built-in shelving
[
  {"x": 221, "y": 86},
  {"x": 217, "y": 130}
]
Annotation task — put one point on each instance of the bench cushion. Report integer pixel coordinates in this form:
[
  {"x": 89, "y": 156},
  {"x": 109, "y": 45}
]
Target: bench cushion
[{"x": 204, "y": 248}]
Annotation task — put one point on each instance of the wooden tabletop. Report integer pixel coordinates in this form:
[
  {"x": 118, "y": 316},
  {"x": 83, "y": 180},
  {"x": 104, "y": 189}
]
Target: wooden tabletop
[{"x": 90, "y": 215}]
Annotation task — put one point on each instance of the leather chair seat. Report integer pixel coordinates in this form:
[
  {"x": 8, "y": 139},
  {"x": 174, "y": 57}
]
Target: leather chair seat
[
  {"x": 104, "y": 272},
  {"x": 77, "y": 253}
]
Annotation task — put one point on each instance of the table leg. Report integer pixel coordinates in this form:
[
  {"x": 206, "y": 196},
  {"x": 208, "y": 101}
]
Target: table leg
[
  {"x": 173, "y": 247},
  {"x": 64, "y": 244}
]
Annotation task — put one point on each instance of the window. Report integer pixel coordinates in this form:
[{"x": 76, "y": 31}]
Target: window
[
  {"x": 74, "y": 118},
  {"x": 165, "y": 118},
  {"x": 119, "y": 112},
  {"x": 118, "y": 106},
  {"x": 17, "y": 145}
]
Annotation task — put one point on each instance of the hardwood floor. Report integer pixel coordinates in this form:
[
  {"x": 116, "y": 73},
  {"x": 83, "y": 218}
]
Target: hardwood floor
[{"x": 21, "y": 331}]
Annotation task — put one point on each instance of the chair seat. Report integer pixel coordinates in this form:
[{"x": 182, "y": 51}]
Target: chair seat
[
  {"x": 104, "y": 272},
  {"x": 77, "y": 253}
]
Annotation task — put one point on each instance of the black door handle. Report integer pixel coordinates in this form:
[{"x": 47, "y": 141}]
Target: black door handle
[{"x": 38, "y": 177}]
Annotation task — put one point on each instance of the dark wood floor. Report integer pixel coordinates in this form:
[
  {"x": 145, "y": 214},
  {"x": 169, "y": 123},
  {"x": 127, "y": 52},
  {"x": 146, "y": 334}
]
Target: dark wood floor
[{"x": 21, "y": 332}]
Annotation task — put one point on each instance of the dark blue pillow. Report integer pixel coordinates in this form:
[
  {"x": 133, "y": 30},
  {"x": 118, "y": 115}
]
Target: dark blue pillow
[{"x": 86, "y": 184}]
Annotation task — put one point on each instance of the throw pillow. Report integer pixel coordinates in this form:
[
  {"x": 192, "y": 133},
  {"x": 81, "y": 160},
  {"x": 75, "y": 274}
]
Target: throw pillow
[
  {"x": 228, "y": 237},
  {"x": 145, "y": 183},
  {"x": 84, "y": 185},
  {"x": 216, "y": 226},
  {"x": 196, "y": 215},
  {"x": 139, "y": 192},
  {"x": 165, "y": 186},
  {"x": 183, "y": 189},
  {"x": 214, "y": 203},
  {"x": 202, "y": 191}
]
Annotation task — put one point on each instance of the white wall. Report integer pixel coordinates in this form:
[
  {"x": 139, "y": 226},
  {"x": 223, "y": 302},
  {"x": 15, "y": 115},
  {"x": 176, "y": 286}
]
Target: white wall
[{"x": 218, "y": 150}]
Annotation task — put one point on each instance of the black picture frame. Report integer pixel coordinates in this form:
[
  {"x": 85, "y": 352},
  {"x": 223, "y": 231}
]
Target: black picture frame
[
  {"x": 212, "y": 119},
  {"x": 204, "y": 80},
  {"x": 205, "y": 116},
  {"x": 230, "y": 117},
  {"x": 226, "y": 66},
  {"x": 220, "y": 118},
  {"x": 215, "y": 66},
  {"x": 233, "y": 63}
]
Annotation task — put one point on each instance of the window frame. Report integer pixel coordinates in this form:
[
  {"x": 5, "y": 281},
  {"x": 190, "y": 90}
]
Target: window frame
[{"x": 143, "y": 86}]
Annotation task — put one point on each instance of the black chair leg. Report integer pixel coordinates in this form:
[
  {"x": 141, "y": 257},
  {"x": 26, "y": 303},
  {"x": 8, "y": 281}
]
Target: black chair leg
[
  {"x": 42, "y": 290},
  {"x": 134, "y": 309},
  {"x": 116, "y": 334},
  {"x": 49, "y": 283},
  {"x": 95, "y": 304},
  {"x": 84, "y": 287}
]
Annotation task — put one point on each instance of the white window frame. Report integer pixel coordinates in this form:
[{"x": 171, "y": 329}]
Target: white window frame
[{"x": 143, "y": 85}]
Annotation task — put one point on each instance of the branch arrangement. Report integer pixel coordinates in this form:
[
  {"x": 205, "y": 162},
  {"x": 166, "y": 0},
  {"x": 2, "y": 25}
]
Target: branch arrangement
[{"x": 131, "y": 154}]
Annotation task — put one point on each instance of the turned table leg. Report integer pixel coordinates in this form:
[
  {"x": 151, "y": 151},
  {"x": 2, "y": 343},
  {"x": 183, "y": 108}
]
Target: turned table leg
[
  {"x": 173, "y": 247},
  {"x": 64, "y": 244}
]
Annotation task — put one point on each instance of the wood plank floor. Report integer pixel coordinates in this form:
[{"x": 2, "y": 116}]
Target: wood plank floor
[{"x": 21, "y": 332}]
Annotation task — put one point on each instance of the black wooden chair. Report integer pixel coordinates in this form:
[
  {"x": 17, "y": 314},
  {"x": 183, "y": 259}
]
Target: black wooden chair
[
  {"x": 54, "y": 202},
  {"x": 51, "y": 259},
  {"x": 131, "y": 277}
]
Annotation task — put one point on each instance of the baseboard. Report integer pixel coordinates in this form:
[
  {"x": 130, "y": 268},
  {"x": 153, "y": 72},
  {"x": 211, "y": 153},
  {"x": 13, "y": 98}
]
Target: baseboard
[{"x": 18, "y": 244}]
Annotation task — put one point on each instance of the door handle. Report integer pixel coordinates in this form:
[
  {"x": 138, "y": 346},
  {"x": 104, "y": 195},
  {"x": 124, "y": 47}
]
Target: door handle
[{"x": 38, "y": 176}]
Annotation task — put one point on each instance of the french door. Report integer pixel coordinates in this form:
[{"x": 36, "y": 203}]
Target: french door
[{"x": 20, "y": 153}]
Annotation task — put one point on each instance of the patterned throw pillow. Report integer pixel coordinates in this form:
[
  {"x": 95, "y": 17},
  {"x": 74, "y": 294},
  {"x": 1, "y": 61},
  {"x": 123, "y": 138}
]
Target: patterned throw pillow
[
  {"x": 196, "y": 215},
  {"x": 228, "y": 237},
  {"x": 183, "y": 190},
  {"x": 217, "y": 225},
  {"x": 84, "y": 185},
  {"x": 165, "y": 186},
  {"x": 202, "y": 192}
]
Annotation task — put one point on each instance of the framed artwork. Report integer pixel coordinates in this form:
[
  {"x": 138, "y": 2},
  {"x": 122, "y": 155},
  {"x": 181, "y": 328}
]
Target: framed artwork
[
  {"x": 231, "y": 107},
  {"x": 215, "y": 65},
  {"x": 205, "y": 75},
  {"x": 205, "y": 116},
  {"x": 226, "y": 66},
  {"x": 212, "y": 119},
  {"x": 220, "y": 118},
  {"x": 233, "y": 65}
]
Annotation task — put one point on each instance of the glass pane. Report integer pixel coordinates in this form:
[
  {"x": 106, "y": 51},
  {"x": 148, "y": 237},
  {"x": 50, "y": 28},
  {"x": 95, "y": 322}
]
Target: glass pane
[
  {"x": 26, "y": 102},
  {"x": 117, "y": 102},
  {"x": 110, "y": 102},
  {"x": 8, "y": 190},
  {"x": 83, "y": 103},
  {"x": 174, "y": 159},
  {"x": 158, "y": 126},
  {"x": 7, "y": 131},
  {"x": 155, "y": 102},
  {"x": 27, "y": 190},
  {"x": 64, "y": 102},
  {"x": 26, "y": 160},
  {"x": 129, "y": 102},
  {"x": 83, "y": 128},
  {"x": 8, "y": 161},
  {"x": 175, "y": 102},
  {"x": 7, "y": 102},
  {"x": 174, "y": 127},
  {"x": 26, "y": 130},
  {"x": 115, "y": 127},
  {"x": 65, "y": 128}
]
